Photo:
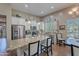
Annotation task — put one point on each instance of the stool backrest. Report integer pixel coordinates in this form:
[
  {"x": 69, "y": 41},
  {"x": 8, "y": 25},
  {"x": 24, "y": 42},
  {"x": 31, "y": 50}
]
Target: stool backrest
[
  {"x": 52, "y": 37},
  {"x": 49, "y": 41},
  {"x": 33, "y": 48},
  {"x": 59, "y": 35}
]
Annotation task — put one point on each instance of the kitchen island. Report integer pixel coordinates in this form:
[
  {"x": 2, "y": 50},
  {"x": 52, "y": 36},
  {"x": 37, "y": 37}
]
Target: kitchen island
[{"x": 20, "y": 44}]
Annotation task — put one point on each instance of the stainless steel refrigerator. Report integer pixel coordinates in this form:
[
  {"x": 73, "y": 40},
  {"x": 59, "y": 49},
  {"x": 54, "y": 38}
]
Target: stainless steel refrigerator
[{"x": 18, "y": 32}]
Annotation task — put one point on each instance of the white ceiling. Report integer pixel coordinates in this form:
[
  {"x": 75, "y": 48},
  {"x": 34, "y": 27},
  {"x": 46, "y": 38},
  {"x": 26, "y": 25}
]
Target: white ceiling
[{"x": 36, "y": 8}]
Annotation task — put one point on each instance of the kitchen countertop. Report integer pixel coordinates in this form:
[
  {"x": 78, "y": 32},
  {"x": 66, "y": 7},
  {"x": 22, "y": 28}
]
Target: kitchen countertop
[{"x": 14, "y": 44}]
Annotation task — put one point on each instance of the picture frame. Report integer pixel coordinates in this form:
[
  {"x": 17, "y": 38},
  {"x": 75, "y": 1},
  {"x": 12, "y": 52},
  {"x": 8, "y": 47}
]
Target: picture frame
[{"x": 62, "y": 27}]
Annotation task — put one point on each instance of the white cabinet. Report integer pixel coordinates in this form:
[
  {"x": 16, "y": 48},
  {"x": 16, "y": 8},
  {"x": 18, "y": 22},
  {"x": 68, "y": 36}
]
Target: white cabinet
[
  {"x": 33, "y": 23},
  {"x": 14, "y": 20},
  {"x": 41, "y": 26},
  {"x": 18, "y": 21},
  {"x": 38, "y": 27},
  {"x": 21, "y": 21},
  {"x": 27, "y": 26}
]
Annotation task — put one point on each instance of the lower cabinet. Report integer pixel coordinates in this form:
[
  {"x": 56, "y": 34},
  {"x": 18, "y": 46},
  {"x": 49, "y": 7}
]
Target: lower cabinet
[{"x": 12, "y": 53}]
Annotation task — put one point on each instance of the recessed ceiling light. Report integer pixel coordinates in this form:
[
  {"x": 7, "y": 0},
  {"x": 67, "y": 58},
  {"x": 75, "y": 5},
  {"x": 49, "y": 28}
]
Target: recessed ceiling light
[
  {"x": 52, "y": 7},
  {"x": 26, "y": 5},
  {"x": 42, "y": 12}
]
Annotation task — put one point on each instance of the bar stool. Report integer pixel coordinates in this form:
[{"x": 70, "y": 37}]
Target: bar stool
[
  {"x": 52, "y": 37},
  {"x": 47, "y": 46},
  {"x": 60, "y": 39},
  {"x": 33, "y": 49}
]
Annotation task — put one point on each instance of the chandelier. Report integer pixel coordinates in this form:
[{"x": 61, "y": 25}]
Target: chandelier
[{"x": 74, "y": 11}]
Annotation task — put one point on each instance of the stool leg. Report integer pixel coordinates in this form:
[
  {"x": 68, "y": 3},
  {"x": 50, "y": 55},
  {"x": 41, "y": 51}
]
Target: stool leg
[
  {"x": 51, "y": 49},
  {"x": 24, "y": 54},
  {"x": 41, "y": 48},
  {"x": 47, "y": 51}
]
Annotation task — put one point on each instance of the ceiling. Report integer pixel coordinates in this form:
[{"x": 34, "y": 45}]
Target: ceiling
[{"x": 40, "y": 9}]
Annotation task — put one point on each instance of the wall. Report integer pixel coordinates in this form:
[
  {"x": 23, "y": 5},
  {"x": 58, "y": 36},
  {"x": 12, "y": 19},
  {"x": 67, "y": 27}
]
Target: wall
[
  {"x": 61, "y": 17},
  {"x": 5, "y": 9}
]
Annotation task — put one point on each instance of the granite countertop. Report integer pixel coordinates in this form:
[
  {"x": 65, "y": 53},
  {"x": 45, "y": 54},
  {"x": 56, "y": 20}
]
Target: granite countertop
[{"x": 14, "y": 44}]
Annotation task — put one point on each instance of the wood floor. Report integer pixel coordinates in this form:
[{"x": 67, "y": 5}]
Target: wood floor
[{"x": 60, "y": 51}]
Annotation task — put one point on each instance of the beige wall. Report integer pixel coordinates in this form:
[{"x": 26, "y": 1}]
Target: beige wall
[{"x": 6, "y": 10}]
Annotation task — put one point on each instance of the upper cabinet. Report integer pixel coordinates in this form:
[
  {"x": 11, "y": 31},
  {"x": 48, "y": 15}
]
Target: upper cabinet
[{"x": 18, "y": 21}]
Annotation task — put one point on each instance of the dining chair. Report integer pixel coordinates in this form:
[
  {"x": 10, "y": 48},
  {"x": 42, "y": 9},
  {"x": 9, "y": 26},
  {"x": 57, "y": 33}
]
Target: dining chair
[
  {"x": 52, "y": 37},
  {"x": 33, "y": 49},
  {"x": 47, "y": 46}
]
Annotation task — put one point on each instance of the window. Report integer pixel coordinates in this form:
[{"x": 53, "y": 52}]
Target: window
[
  {"x": 73, "y": 28},
  {"x": 50, "y": 25}
]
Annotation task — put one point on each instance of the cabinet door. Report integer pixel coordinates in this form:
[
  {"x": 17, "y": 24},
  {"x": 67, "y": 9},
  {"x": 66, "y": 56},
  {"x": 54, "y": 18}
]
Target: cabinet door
[
  {"x": 18, "y": 21},
  {"x": 15, "y": 21},
  {"x": 21, "y": 31},
  {"x": 27, "y": 26},
  {"x": 21, "y": 21},
  {"x": 42, "y": 26}
]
